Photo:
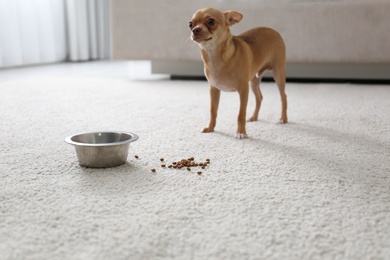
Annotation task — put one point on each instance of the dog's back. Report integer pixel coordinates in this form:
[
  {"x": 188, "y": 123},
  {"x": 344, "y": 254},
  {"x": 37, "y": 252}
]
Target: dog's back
[{"x": 267, "y": 44}]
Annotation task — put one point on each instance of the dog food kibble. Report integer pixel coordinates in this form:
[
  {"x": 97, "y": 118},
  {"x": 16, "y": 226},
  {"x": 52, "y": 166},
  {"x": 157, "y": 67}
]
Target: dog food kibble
[{"x": 183, "y": 163}]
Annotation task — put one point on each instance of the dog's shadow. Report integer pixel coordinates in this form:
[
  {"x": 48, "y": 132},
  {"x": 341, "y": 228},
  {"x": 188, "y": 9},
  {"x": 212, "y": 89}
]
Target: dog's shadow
[
  {"x": 357, "y": 152},
  {"x": 365, "y": 142}
]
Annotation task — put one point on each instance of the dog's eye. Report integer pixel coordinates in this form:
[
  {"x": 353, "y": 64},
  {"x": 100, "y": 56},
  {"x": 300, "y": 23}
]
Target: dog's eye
[
  {"x": 211, "y": 22},
  {"x": 190, "y": 25}
]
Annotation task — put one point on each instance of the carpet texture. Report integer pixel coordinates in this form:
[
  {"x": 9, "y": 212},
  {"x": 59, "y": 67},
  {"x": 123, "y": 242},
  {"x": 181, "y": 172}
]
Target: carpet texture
[{"x": 316, "y": 188}]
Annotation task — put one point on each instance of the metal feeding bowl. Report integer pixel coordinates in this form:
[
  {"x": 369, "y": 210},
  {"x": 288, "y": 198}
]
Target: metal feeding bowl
[{"x": 102, "y": 149}]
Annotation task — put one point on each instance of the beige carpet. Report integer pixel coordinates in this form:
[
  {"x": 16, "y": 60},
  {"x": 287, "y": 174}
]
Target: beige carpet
[{"x": 316, "y": 188}]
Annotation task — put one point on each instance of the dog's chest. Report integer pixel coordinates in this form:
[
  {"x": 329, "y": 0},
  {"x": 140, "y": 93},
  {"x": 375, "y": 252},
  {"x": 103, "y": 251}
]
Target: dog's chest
[{"x": 220, "y": 81}]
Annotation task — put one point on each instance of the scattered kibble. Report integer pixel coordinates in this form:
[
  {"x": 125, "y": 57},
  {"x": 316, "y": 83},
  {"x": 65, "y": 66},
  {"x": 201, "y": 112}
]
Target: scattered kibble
[{"x": 188, "y": 164}]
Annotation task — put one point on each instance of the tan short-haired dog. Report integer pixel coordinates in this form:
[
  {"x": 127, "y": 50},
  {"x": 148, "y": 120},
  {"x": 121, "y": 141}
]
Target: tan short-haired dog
[{"x": 231, "y": 62}]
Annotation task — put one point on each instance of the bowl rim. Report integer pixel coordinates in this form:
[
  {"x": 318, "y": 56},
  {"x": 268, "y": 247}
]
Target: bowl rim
[{"x": 133, "y": 138}]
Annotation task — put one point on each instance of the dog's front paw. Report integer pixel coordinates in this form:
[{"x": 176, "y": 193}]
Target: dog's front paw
[
  {"x": 207, "y": 130},
  {"x": 241, "y": 135}
]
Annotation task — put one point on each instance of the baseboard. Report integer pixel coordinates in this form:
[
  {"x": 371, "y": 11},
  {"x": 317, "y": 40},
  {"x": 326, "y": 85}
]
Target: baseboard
[{"x": 295, "y": 71}]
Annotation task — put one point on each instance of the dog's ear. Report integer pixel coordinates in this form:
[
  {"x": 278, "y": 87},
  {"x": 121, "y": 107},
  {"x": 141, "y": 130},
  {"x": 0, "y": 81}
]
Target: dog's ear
[{"x": 232, "y": 17}]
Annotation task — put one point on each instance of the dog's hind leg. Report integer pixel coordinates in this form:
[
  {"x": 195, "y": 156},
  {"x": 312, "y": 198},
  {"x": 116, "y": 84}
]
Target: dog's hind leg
[
  {"x": 279, "y": 72},
  {"x": 255, "y": 86}
]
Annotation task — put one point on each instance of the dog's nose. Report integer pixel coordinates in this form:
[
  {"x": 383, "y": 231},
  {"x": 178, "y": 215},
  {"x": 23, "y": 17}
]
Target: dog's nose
[{"x": 196, "y": 30}]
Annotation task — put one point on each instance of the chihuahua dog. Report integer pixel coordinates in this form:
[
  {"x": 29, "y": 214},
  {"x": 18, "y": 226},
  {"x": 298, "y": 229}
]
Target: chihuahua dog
[{"x": 231, "y": 63}]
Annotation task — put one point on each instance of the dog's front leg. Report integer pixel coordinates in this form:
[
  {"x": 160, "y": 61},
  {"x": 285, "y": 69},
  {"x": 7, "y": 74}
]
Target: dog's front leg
[
  {"x": 214, "y": 103},
  {"x": 244, "y": 93}
]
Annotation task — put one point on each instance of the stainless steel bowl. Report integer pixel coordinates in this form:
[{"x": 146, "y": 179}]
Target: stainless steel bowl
[{"x": 102, "y": 149}]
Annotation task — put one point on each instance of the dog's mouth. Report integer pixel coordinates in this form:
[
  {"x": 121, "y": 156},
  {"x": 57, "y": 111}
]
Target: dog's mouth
[{"x": 199, "y": 39}]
